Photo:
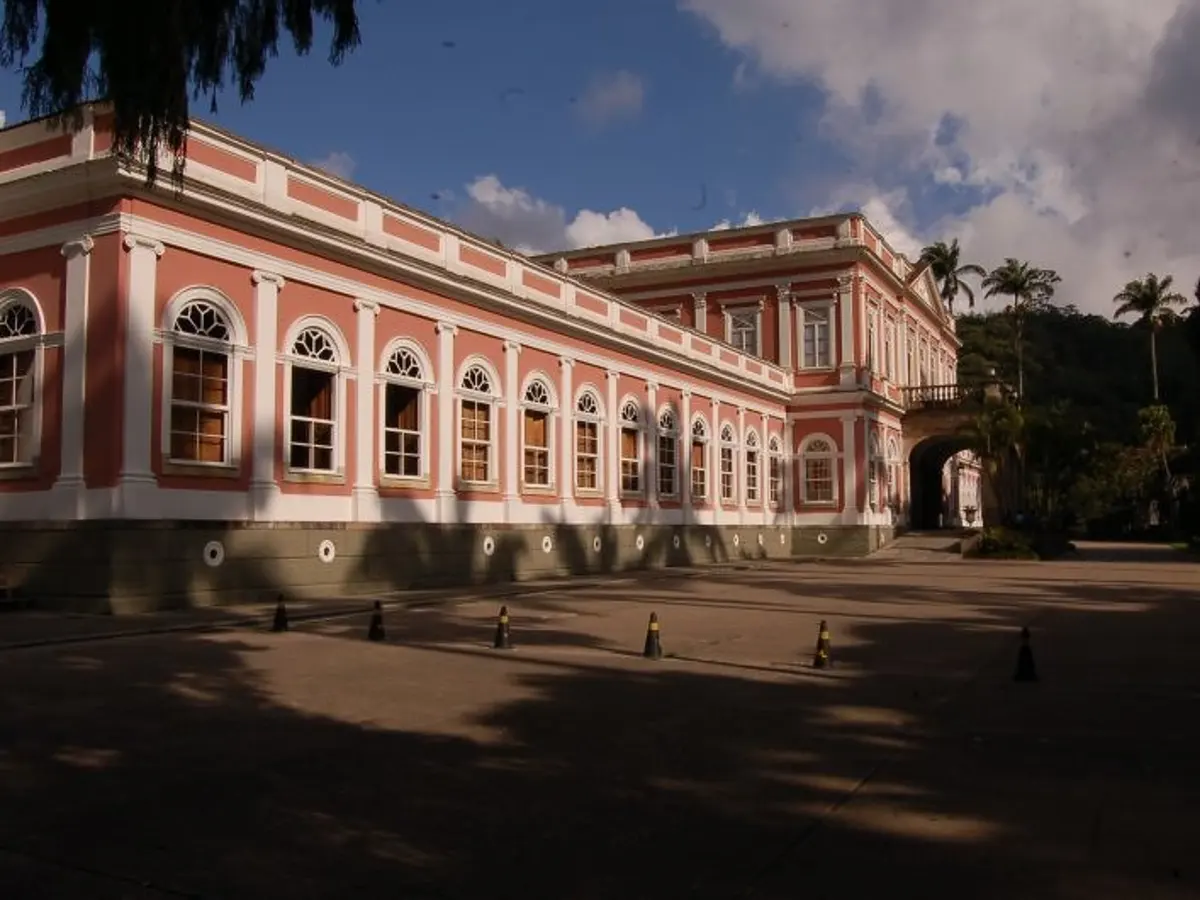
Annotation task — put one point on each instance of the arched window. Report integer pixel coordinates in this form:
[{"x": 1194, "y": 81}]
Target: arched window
[
  {"x": 774, "y": 471},
  {"x": 315, "y": 407},
  {"x": 477, "y": 431},
  {"x": 728, "y": 454},
  {"x": 668, "y": 453},
  {"x": 699, "y": 457},
  {"x": 19, "y": 393},
  {"x": 875, "y": 472},
  {"x": 588, "y": 419},
  {"x": 752, "y": 467},
  {"x": 537, "y": 407},
  {"x": 199, "y": 388},
  {"x": 406, "y": 382},
  {"x": 893, "y": 474},
  {"x": 820, "y": 469},
  {"x": 631, "y": 447}
]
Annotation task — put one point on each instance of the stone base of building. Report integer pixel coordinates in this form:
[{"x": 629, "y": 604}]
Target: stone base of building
[{"x": 128, "y": 567}]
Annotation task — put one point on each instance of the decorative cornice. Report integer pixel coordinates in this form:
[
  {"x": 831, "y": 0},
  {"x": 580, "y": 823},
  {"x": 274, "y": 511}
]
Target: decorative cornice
[
  {"x": 133, "y": 242},
  {"x": 81, "y": 247}
]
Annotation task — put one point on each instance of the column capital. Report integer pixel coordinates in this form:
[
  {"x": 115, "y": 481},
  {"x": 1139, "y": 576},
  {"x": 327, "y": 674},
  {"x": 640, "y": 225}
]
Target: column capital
[
  {"x": 258, "y": 277},
  {"x": 612, "y": 374},
  {"x": 700, "y": 297},
  {"x": 783, "y": 291},
  {"x": 133, "y": 242},
  {"x": 79, "y": 247},
  {"x": 686, "y": 394},
  {"x": 565, "y": 362},
  {"x": 512, "y": 347},
  {"x": 845, "y": 282},
  {"x": 651, "y": 386},
  {"x": 361, "y": 306},
  {"x": 446, "y": 328}
]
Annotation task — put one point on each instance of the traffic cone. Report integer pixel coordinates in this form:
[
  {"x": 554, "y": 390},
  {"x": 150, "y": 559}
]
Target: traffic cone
[
  {"x": 503, "y": 641},
  {"x": 1026, "y": 670},
  {"x": 375, "y": 632},
  {"x": 821, "y": 657},
  {"x": 281, "y": 619},
  {"x": 653, "y": 649}
]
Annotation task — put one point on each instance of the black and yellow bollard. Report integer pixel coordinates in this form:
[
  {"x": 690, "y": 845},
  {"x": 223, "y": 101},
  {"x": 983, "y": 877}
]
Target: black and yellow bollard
[
  {"x": 1026, "y": 670},
  {"x": 281, "y": 618},
  {"x": 375, "y": 631},
  {"x": 503, "y": 640},
  {"x": 821, "y": 656},
  {"x": 653, "y": 648}
]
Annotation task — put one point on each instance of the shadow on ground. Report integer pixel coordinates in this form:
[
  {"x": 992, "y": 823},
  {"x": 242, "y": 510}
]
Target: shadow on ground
[{"x": 315, "y": 764}]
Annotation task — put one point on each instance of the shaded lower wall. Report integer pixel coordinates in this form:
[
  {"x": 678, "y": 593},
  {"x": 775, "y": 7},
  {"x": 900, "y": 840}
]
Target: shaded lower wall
[{"x": 135, "y": 566}]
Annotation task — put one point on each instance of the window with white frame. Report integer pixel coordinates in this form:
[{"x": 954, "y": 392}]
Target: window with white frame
[
  {"x": 872, "y": 338},
  {"x": 893, "y": 473},
  {"x": 775, "y": 471},
  {"x": 728, "y": 453},
  {"x": 752, "y": 467},
  {"x": 537, "y": 407},
  {"x": 631, "y": 448},
  {"x": 18, "y": 383},
  {"x": 874, "y": 472},
  {"x": 199, "y": 391},
  {"x": 911, "y": 381},
  {"x": 313, "y": 411},
  {"x": 816, "y": 349},
  {"x": 699, "y": 458},
  {"x": 588, "y": 417},
  {"x": 889, "y": 350},
  {"x": 404, "y": 414},
  {"x": 743, "y": 327},
  {"x": 668, "y": 453},
  {"x": 820, "y": 470},
  {"x": 476, "y": 419}
]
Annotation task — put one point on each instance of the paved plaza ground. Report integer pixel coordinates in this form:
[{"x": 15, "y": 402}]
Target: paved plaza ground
[{"x": 237, "y": 763}]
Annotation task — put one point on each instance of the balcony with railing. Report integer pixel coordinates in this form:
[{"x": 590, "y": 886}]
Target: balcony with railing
[{"x": 935, "y": 396}]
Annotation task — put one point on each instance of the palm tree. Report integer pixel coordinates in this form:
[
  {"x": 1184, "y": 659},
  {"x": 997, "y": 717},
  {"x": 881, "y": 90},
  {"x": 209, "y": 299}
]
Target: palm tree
[
  {"x": 1153, "y": 302},
  {"x": 943, "y": 259},
  {"x": 1031, "y": 289}
]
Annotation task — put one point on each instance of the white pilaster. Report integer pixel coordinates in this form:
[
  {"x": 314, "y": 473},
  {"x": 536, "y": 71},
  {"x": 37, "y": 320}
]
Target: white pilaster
[
  {"x": 263, "y": 488},
  {"x": 566, "y": 422},
  {"x": 365, "y": 493},
  {"x": 512, "y": 440},
  {"x": 714, "y": 464},
  {"x": 850, "y": 510},
  {"x": 764, "y": 469},
  {"x": 739, "y": 466},
  {"x": 74, "y": 386},
  {"x": 652, "y": 444},
  {"x": 700, "y": 312},
  {"x": 683, "y": 461},
  {"x": 790, "y": 474},
  {"x": 447, "y": 450},
  {"x": 612, "y": 446},
  {"x": 783, "y": 324},
  {"x": 845, "y": 308},
  {"x": 137, "y": 482}
]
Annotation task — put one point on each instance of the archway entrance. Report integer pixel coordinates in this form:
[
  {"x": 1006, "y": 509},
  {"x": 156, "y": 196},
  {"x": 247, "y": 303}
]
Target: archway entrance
[{"x": 930, "y": 503}]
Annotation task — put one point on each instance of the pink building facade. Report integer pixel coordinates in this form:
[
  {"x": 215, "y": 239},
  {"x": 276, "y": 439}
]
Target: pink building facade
[{"x": 276, "y": 380}]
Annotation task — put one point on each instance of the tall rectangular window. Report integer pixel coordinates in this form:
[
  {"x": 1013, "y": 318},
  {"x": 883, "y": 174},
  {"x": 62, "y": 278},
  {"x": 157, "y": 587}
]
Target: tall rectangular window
[
  {"x": 537, "y": 448},
  {"x": 401, "y": 431},
  {"x": 587, "y": 456},
  {"x": 816, "y": 345},
  {"x": 312, "y": 420},
  {"x": 631, "y": 463},
  {"x": 744, "y": 330},
  {"x": 476, "y": 445}
]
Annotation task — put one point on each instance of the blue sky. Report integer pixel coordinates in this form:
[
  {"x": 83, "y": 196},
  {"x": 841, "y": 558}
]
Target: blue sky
[
  {"x": 551, "y": 123},
  {"x": 421, "y": 119}
]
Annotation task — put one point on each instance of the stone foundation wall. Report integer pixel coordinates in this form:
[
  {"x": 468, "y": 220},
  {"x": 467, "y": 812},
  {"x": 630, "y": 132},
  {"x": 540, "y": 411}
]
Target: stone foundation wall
[{"x": 117, "y": 567}]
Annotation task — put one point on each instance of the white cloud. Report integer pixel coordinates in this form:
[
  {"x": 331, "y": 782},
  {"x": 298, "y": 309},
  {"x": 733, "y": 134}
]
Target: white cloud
[
  {"x": 611, "y": 96},
  {"x": 1085, "y": 139},
  {"x": 750, "y": 219},
  {"x": 337, "y": 164},
  {"x": 530, "y": 225}
]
